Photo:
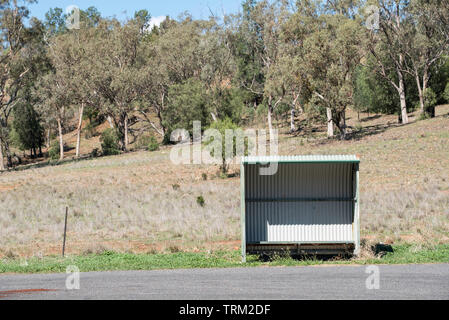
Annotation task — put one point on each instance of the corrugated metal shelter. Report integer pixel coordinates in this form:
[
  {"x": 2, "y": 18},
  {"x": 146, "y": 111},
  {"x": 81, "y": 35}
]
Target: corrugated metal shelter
[{"x": 310, "y": 205}]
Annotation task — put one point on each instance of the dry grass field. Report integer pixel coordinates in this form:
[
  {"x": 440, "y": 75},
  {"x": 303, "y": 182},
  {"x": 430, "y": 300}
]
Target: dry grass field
[{"x": 141, "y": 202}]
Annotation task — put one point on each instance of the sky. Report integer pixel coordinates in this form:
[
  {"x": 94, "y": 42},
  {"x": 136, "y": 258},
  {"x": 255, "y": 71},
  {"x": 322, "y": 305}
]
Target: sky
[{"x": 157, "y": 8}]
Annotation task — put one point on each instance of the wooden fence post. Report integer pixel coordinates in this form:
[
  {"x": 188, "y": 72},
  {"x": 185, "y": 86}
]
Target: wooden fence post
[{"x": 65, "y": 231}]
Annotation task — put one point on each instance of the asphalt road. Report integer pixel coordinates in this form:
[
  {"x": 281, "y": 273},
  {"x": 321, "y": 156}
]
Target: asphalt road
[{"x": 396, "y": 282}]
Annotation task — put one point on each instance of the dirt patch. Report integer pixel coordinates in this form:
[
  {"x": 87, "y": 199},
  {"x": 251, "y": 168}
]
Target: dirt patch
[{"x": 8, "y": 188}]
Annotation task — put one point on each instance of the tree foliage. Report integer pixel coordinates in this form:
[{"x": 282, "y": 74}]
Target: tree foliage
[
  {"x": 28, "y": 129},
  {"x": 310, "y": 57}
]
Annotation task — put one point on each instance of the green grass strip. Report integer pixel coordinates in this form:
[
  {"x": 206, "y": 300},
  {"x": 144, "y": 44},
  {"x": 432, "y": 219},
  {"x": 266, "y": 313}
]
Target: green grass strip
[{"x": 112, "y": 261}]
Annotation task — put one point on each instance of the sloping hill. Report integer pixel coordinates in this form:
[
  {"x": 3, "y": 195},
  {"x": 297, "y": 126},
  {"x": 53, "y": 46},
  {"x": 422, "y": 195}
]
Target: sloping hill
[{"x": 141, "y": 202}]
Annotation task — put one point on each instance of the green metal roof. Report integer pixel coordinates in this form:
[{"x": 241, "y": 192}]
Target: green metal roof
[{"x": 303, "y": 159}]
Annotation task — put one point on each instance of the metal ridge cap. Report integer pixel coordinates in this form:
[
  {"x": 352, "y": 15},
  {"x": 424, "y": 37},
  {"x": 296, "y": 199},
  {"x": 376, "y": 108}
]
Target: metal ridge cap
[{"x": 301, "y": 159}]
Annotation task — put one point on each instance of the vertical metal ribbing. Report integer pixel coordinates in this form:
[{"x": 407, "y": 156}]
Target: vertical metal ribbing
[{"x": 300, "y": 221}]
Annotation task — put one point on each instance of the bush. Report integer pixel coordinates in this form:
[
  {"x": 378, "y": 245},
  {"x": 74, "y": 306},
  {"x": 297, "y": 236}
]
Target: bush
[
  {"x": 54, "y": 151},
  {"x": 430, "y": 102},
  {"x": 142, "y": 142},
  {"x": 222, "y": 126},
  {"x": 94, "y": 153},
  {"x": 180, "y": 112},
  {"x": 446, "y": 93},
  {"x": 201, "y": 202},
  {"x": 153, "y": 145},
  {"x": 110, "y": 142}
]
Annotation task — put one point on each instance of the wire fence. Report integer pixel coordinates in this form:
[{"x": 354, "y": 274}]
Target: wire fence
[{"x": 71, "y": 239}]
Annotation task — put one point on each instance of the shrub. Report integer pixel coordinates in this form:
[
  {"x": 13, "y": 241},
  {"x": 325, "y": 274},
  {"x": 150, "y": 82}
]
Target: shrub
[
  {"x": 110, "y": 142},
  {"x": 430, "y": 102},
  {"x": 222, "y": 126},
  {"x": 174, "y": 249},
  {"x": 143, "y": 142},
  {"x": 94, "y": 153},
  {"x": 201, "y": 202},
  {"x": 424, "y": 116},
  {"x": 446, "y": 93},
  {"x": 54, "y": 151},
  {"x": 180, "y": 113},
  {"x": 153, "y": 145}
]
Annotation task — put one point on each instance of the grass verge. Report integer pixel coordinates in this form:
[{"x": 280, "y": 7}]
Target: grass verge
[{"x": 112, "y": 261}]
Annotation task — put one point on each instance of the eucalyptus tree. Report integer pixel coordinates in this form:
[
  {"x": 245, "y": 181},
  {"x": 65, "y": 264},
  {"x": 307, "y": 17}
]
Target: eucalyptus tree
[
  {"x": 267, "y": 19},
  {"x": 290, "y": 70},
  {"x": 441, "y": 8},
  {"x": 154, "y": 88},
  {"x": 179, "y": 52},
  {"x": 116, "y": 62},
  {"x": 288, "y": 80},
  {"x": 244, "y": 34},
  {"x": 51, "y": 93},
  {"x": 70, "y": 56},
  {"x": 16, "y": 63},
  {"x": 161, "y": 49},
  {"x": 55, "y": 21},
  {"x": 331, "y": 48},
  {"x": 428, "y": 42},
  {"x": 218, "y": 68},
  {"x": 388, "y": 44},
  {"x": 143, "y": 17}
]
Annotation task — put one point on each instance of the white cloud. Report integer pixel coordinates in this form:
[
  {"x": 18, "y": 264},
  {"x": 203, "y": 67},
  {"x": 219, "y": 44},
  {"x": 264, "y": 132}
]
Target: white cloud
[{"x": 156, "y": 21}]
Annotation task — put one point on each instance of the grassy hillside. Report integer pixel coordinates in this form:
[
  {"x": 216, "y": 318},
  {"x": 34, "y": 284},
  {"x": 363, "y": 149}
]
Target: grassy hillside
[{"x": 140, "y": 202}]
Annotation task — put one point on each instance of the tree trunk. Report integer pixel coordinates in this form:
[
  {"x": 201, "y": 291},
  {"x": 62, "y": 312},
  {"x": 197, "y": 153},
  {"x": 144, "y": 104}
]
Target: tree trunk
[
  {"x": 8, "y": 154},
  {"x": 163, "y": 129},
  {"x": 401, "y": 89},
  {"x": 48, "y": 138},
  {"x": 270, "y": 122},
  {"x": 126, "y": 133},
  {"x": 78, "y": 135},
  {"x": 111, "y": 123},
  {"x": 420, "y": 93},
  {"x": 292, "y": 119},
  {"x": 61, "y": 141},
  {"x": 330, "y": 124},
  {"x": 404, "y": 115},
  {"x": 425, "y": 81},
  {"x": 2, "y": 164},
  {"x": 342, "y": 126}
]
